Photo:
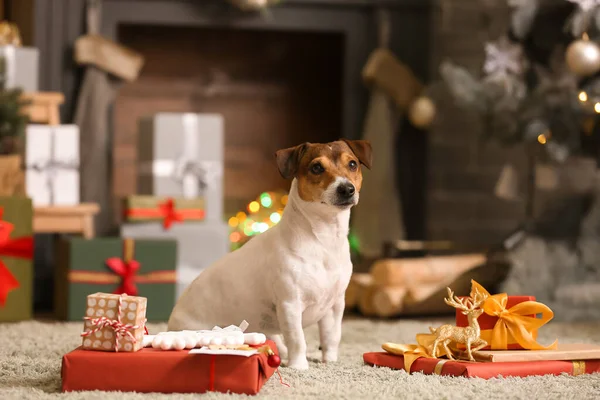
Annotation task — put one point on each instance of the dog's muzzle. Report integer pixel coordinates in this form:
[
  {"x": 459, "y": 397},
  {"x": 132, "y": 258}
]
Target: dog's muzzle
[{"x": 344, "y": 194}]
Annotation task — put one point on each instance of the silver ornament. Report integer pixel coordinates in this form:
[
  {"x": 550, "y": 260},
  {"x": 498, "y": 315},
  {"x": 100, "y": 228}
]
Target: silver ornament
[{"x": 583, "y": 57}]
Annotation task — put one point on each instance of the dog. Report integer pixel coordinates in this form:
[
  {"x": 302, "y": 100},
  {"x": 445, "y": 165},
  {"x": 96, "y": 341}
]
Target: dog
[{"x": 296, "y": 273}]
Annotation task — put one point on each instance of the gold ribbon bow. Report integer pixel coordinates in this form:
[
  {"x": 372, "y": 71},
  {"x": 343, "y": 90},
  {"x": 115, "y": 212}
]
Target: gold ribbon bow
[
  {"x": 513, "y": 323},
  {"x": 412, "y": 352}
]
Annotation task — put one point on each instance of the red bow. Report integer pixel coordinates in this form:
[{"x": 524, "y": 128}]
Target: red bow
[
  {"x": 170, "y": 215},
  {"x": 20, "y": 248},
  {"x": 127, "y": 271}
]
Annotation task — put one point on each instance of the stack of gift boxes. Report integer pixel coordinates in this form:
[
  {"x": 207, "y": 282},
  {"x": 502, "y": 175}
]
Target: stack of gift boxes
[
  {"x": 180, "y": 178},
  {"x": 502, "y": 332},
  {"x": 19, "y": 70},
  {"x": 172, "y": 231},
  {"x": 115, "y": 341}
]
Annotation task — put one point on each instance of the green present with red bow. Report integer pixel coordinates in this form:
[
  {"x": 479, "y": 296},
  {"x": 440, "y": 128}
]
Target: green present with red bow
[
  {"x": 143, "y": 268},
  {"x": 166, "y": 210},
  {"x": 16, "y": 253}
]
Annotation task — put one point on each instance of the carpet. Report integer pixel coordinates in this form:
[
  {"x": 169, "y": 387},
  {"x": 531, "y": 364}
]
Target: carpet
[{"x": 30, "y": 359}]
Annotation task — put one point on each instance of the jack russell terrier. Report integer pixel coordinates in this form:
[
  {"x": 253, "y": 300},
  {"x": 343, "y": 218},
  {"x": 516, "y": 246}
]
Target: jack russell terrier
[{"x": 296, "y": 273}]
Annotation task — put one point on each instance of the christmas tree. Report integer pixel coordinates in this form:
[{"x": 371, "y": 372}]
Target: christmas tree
[
  {"x": 539, "y": 84},
  {"x": 12, "y": 118}
]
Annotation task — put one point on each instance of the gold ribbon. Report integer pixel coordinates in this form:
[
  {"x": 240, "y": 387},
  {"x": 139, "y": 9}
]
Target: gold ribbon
[
  {"x": 578, "y": 368},
  {"x": 107, "y": 278},
  {"x": 514, "y": 324},
  {"x": 412, "y": 352},
  {"x": 439, "y": 367}
]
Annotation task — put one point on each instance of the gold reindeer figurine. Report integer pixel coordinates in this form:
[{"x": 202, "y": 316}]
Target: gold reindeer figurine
[{"x": 469, "y": 336}]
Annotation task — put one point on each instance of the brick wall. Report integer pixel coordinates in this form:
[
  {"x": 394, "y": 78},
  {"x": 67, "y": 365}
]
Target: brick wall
[{"x": 463, "y": 172}]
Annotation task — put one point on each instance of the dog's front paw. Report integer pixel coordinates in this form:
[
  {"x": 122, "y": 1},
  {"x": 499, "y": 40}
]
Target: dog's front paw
[
  {"x": 299, "y": 364},
  {"x": 330, "y": 356}
]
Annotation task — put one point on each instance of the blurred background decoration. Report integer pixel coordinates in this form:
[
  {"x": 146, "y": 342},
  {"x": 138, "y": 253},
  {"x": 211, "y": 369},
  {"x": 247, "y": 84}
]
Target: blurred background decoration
[
  {"x": 259, "y": 215},
  {"x": 483, "y": 116}
]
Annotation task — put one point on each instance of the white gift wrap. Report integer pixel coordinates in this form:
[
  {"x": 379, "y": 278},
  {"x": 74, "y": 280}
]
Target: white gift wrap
[
  {"x": 21, "y": 67},
  {"x": 182, "y": 155},
  {"x": 198, "y": 245},
  {"x": 52, "y": 164}
]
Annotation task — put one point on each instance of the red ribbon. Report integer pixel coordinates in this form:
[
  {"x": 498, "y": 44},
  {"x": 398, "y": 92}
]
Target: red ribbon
[
  {"x": 211, "y": 374},
  {"x": 170, "y": 214},
  {"x": 126, "y": 270},
  {"x": 167, "y": 212},
  {"x": 19, "y": 248}
]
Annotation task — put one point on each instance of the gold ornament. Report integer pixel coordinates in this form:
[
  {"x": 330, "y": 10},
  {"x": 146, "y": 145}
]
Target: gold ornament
[
  {"x": 583, "y": 57},
  {"x": 422, "y": 112},
  {"x": 470, "y": 335}
]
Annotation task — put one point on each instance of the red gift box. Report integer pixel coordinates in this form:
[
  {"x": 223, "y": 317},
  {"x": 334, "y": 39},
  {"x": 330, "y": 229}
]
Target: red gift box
[
  {"x": 487, "y": 322},
  {"x": 485, "y": 370},
  {"x": 157, "y": 371}
]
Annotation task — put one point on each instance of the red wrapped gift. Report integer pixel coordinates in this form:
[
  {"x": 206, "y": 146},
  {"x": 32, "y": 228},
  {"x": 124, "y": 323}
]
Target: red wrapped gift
[
  {"x": 157, "y": 371},
  {"x": 488, "y": 322},
  {"x": 509, "y": 322},
  {"x": 485, "y": 370}
]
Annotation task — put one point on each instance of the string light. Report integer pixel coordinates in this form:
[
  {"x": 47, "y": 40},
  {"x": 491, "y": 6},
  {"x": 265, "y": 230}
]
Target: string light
[
  {"x": 583, "y": 97},
  {"x": 275, "y": 217},
  {"x": 265, "y": 200},
  {"x": 542, "y": 139},
  {"x": 253, "y": 207},
  {"x": 233, "y": 222},
  {"x": 264, "y": 213},
  {"x": 597, "y": 108}
]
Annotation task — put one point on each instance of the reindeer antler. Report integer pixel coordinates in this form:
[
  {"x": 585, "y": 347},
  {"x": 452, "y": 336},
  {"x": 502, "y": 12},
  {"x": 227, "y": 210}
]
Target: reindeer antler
[
  {"x": 453, "y": 301},
  {"x": 478, "y": 299}
]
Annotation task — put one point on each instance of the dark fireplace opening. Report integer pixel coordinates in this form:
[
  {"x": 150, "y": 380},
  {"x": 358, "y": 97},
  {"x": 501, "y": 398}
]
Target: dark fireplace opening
[{"x": 275, "y": 89}]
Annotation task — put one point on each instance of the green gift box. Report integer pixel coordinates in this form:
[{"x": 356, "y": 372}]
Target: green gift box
[
  {"x": 143, "y": 268},
  {"x": 16, "y": 253}
]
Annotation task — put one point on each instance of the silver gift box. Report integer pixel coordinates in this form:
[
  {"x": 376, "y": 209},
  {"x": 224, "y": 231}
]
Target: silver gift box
[
  {"x": 20, "y": 67},
  {"x": 182, "y": 155},
  {"x": 198, "y": 245}
]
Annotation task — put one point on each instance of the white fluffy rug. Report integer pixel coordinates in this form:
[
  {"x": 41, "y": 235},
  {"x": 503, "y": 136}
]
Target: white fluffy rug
[{"x": 30, "y": 359}]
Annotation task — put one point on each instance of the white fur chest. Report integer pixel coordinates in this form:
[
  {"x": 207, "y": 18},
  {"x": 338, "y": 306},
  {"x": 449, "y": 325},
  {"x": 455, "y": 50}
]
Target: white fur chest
[{"x": 325, "y": 277}]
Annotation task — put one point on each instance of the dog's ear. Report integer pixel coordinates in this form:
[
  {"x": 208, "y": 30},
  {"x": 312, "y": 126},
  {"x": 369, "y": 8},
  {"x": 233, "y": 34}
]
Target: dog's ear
[
  {"x": 288, "y": 160},
  {"x": 362, "y": 150}
]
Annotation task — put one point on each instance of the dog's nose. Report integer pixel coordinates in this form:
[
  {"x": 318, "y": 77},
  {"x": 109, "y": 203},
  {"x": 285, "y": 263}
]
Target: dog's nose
[{"x": 346, "y": 190}]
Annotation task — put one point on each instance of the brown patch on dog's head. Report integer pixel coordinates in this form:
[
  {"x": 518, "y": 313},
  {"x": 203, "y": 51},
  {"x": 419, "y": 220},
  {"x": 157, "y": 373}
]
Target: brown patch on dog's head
[{"x": 316, "y": 166}]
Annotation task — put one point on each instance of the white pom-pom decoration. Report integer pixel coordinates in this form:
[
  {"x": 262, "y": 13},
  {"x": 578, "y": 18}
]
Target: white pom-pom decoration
[
  {"x": 190, "y": 341},
  {"x": 180, "y": 340},
  {"x": 254, "y": 338},
  {"x": 167, "y": 342},
  {"x": 178, "y": 343}
]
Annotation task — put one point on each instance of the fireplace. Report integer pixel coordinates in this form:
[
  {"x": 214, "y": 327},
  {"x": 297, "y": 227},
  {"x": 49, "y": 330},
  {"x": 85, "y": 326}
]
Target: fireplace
[{"x": 274, "y": 89}]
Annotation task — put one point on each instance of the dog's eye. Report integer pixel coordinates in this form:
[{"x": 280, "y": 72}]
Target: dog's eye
[
  {"x": 317, "y": 169},
  {"x": 352, "y": 165}
]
